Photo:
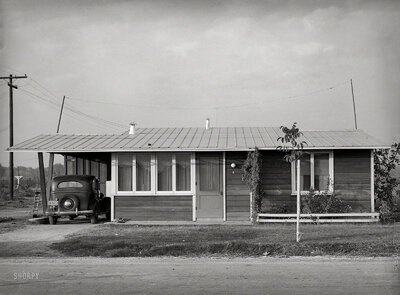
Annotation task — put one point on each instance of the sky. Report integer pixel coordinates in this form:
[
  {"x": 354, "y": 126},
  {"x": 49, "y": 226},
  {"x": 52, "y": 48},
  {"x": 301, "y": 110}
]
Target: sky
[{"x": 176, "y": 63}]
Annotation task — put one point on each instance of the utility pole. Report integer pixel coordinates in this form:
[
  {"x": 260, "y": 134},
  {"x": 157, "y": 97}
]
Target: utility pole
[
  {"x": 11, "y": 168},
  {"x": 61, "y": 111},
  {"x": 354, "y": 104}
]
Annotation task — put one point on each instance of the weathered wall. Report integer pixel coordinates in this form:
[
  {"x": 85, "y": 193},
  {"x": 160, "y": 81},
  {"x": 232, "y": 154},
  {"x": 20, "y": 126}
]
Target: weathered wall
[
  {"x": 276, "y": 179},
  {"x": 353, "y": 178},
  {"x": 159, "y": 208},
  {"x": 237, "y": 192}
]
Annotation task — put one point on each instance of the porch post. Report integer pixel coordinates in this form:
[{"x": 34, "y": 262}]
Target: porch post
[
  {"x": 42, "y": 182},
  {"x": 372, "y": 182},
  {"x": 193, "y": 185},
  {"x": 224, "y": 183},
  {"x": 50, "y": 178},
  {"x": 114, "y": 183}
]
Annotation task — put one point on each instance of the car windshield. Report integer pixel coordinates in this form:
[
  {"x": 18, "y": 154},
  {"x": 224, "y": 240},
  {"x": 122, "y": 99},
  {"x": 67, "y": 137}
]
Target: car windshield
[{"x": 69, "y": 184}]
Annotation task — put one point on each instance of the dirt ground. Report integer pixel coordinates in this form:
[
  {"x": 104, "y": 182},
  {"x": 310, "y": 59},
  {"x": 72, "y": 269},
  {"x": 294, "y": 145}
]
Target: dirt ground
[
  {"x": 305, "y": 275},
  {"x": 46, "y": 232}
]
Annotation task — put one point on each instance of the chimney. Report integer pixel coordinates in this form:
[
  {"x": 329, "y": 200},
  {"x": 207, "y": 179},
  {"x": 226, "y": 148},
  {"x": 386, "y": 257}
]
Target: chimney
[
  {"x": 132, "y": 128},
  {"x": 207, "y": 123}
]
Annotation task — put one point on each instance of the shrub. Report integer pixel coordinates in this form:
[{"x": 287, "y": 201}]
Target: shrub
[{"x": 323, "y": 203}]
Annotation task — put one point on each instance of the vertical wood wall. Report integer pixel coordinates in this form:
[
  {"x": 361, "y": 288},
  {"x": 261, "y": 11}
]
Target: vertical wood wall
[
  {"x": 353, "y": 178},
  {"x": 276, "y": 179},
  {"x": 154, "y": 208},
  {"x": 237, "y": 192}
]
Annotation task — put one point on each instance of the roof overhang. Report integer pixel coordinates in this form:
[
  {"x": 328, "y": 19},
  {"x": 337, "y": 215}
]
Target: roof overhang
[{"x": 64, "y": 151}]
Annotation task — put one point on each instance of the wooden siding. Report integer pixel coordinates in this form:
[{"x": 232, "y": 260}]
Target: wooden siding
[
  {"x": 353, "y": 178},
  {"x": 276, "y": 180},
  {"x": 237, "y": 192},
  {"x": 154, "y": 208}
]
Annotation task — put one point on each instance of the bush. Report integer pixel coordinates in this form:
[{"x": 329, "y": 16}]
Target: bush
[{"x": 323, "y": 203}]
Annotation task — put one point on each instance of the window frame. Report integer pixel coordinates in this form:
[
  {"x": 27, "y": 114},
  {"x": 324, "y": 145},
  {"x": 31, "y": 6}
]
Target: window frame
[
  {"x": 154, "y": 176},
  {"x": 330, "y": 169}
]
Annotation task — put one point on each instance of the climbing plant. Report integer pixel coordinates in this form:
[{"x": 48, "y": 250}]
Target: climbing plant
[
  {"x": 251, "y": 175},
  {"x": 386, "y": 185}
]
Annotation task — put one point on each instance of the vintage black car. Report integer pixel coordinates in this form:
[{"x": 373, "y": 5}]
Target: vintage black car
[{"x": 74, "y": 195}]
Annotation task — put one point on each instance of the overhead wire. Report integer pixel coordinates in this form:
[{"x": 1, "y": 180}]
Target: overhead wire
[{"x": 56, "y": 106}]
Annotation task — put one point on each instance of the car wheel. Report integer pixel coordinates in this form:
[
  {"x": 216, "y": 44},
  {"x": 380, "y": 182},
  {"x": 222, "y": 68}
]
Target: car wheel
[
  {"x": 94, "y": 216},
  {"x": 93, "y": 219},
  {"x": 52, "y": 220}
]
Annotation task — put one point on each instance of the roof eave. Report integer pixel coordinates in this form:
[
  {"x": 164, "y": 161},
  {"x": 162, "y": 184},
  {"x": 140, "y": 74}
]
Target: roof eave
[{"x": 190, "y": 149}]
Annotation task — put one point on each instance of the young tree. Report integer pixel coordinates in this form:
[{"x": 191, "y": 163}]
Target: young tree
[{"x": 293, "y": 146}]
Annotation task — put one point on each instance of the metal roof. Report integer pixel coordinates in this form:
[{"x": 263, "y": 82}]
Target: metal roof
[{"x": 195, "y": 139}]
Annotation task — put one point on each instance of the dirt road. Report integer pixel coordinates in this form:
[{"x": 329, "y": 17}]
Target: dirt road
[{"x": 314, "y": 275}]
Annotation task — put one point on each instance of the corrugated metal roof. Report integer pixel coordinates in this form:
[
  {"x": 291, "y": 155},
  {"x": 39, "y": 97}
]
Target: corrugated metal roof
[{"x": 192, "y": 139}]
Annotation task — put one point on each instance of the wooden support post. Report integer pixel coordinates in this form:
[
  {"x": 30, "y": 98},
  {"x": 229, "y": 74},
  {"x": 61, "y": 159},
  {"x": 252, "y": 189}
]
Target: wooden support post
[
  {"x": 298, "y": 202},
  {"x": 50, "y": 177},
  {"x": 65, "y": 165},
  {"x": 42, "y": 182},
  {"x": 372, "y": 182}
]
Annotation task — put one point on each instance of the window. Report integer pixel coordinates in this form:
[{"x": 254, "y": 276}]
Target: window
[
  {"x": 143, "y": 172},
  {"x": 164, "y": 172},
  {"x": 66, "y": 184},
  {"x": 183, "y": 172},
  {"x": 316, "y": 171},
  {"x": 125, "y": 172},
  {"x": 158, "y": 173}
]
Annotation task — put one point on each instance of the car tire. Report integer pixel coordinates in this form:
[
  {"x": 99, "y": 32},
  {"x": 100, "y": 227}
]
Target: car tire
[
  {"x": 94, "y": 216},
  {"x": 52, "y": 220}
]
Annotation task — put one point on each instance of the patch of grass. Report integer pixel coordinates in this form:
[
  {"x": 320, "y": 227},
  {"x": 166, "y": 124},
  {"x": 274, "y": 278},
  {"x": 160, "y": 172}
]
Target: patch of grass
[
  {"x": 8, "y": 224},
  {"x": 233, "y": 240},
  {"x": 27, "y": 249}
]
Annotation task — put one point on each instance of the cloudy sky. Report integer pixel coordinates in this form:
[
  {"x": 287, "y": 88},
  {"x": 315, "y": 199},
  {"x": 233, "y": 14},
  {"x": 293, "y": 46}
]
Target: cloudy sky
[{"x": 175, "y": 63}]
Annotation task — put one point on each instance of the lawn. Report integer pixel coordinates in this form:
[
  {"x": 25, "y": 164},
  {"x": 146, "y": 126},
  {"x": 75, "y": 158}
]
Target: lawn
[{"x": 234, "y": 240}]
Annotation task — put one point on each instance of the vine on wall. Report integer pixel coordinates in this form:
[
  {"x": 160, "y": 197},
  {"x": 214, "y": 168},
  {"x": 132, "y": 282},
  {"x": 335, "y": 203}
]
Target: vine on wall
[{"x": 252, "y": 177}]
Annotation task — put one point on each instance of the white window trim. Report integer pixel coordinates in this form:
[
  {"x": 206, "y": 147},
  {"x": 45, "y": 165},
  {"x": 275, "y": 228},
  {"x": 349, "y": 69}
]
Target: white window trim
[
  {"x": 153, "y": 164},
  {"x": 331, "y": 173}
]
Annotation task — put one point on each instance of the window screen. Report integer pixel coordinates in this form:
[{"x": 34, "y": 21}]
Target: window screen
[
  {"x": 183, "y": 172},
  {"x": 143, "y": 172},
  {"x": 164, "y": 172},
  {"x": 125, "y": 172}
]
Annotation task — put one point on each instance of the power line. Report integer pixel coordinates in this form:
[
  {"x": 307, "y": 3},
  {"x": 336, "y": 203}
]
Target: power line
[
  {"x": 55, "y": 105},
  {"x": 208, "y": 107}
]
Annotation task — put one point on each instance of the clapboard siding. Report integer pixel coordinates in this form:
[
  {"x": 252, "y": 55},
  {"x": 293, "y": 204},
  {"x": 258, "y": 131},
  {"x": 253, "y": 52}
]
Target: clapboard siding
[
  {"x": 353, "y": 178},
  {"x": 237, "y": 192},
  {"x": 154, "y": 208},
  {"x": 276, "y": 180}
]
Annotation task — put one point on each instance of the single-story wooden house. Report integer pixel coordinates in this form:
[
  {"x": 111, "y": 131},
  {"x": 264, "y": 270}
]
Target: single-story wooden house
[{"x": 194, "y": 174}]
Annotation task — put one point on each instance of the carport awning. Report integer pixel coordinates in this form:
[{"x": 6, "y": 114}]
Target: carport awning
[{"x": 195, "y": 139}]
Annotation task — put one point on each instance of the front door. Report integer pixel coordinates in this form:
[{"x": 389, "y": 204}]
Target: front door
[{"x": 209, "y": 200}]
